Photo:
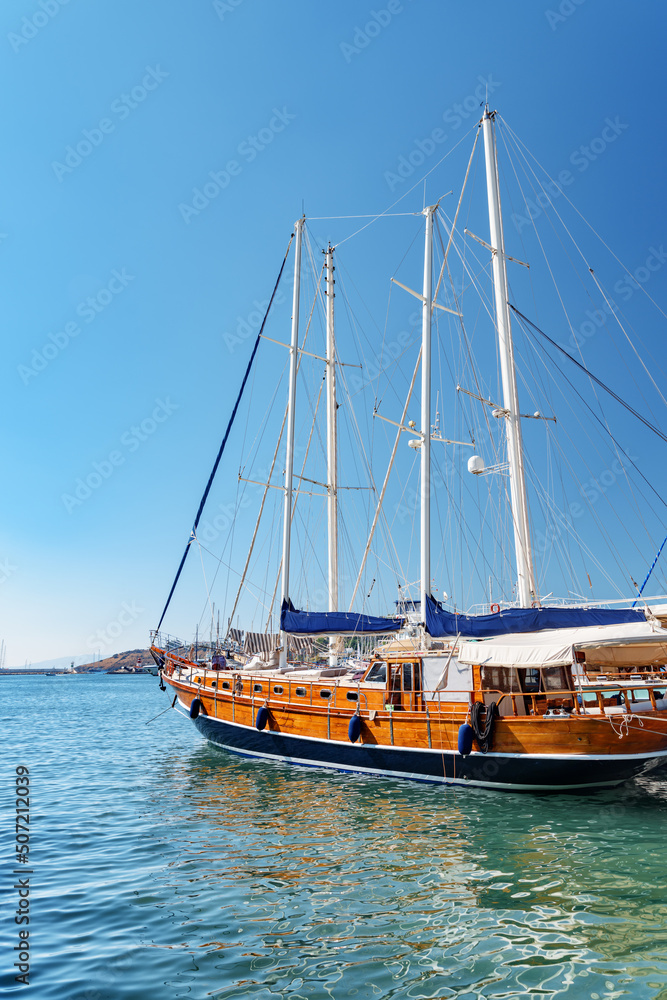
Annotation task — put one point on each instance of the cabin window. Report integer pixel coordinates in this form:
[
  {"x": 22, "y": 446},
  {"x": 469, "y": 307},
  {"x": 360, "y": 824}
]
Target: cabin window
[
  {"x": 407, "y": 677},
  {"x": 531, "y": 680},
  {"x": 395, "y": 676},
  {"x": 553, "y": 679},
  {"x": 378, "y": 672},
  {"x": 301, "y": 692},
  {"x": 325, "y": 694},
  {"x": 277, "y": 689},
  {"x": 499, "y": 679},
  {"x": 257, "y": 687},
  {"x": 214, "y": 684},
  {"x": 352, "y": 696},
  {"x": 226, "y": 685}
]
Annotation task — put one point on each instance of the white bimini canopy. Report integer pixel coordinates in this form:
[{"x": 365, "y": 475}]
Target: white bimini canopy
[{"x": 637, "y": 644}]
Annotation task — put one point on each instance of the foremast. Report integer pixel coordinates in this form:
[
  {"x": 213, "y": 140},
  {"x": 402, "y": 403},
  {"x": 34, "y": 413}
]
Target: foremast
[{"x": 527, "y": 591}]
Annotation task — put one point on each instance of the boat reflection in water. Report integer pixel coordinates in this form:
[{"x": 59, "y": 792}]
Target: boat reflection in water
[{"x": 295, "y": 879}]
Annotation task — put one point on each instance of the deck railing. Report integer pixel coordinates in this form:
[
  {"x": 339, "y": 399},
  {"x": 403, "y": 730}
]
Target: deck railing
[{"x": 604, "y": 698}]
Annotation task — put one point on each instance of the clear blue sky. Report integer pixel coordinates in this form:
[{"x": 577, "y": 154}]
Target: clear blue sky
[{"x": 115, "y": 296}]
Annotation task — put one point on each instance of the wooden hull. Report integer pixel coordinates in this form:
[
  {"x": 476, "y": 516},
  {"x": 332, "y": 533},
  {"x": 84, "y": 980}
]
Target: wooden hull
[{"x": 575, "y": 753}]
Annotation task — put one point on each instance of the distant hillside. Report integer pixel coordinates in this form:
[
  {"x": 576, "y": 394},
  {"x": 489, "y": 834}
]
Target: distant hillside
[
  {"x": 118, "y": 660},
  {"x": 59, "y": 663}
]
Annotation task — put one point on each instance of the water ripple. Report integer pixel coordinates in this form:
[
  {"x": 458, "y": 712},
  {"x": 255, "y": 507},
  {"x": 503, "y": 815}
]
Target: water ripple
[{"x": 167, "y": 869}]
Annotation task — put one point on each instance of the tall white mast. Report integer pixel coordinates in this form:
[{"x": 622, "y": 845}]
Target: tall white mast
[
  {"x": 332, "y": 449},
  {"x": 289, "y": 461},
  {"x": 524, "y": 557},
  {"x": 425, "y": 485}
]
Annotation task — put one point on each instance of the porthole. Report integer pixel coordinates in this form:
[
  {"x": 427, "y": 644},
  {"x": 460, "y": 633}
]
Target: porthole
[
  {"x": 257, "y": 687},
  {"x": 301, "y": 692},
  {"x": 226, "y": 685},
  {"x": 352, "y": 696},
  {"x": 277, "y": 689},
  {"x": 325, "y": 694}
]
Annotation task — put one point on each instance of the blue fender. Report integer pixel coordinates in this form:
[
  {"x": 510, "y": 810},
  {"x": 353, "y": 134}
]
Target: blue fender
[
  {"x": 465, "y": 739},
  {"x": 262, "y": 718},
  {"x": 354, "y": 728},
  {"x": 195, "y": 708}
]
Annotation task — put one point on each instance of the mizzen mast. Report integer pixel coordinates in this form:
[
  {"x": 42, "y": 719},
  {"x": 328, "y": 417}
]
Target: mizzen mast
[
  {"x": 524, "y": 557},
  {"x": 289, "y": 460},
  {"x": 425, "y": 484},
  {"x": 332, "y": 448}
]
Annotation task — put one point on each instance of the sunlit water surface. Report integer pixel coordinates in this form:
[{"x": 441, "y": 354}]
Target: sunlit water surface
[{"x": 166, "y": 868}]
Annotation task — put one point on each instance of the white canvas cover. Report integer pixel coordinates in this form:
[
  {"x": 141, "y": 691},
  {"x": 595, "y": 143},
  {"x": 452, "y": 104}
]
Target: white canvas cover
[
  {"x": 555, "y": 647},
  {"x": 446, "y": 677}
]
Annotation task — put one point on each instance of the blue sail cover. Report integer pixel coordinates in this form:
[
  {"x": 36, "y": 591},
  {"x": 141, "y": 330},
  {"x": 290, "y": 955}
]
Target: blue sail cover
[
  {"x": 441, "y": 623},
  {"x": 333, "y": 622}
]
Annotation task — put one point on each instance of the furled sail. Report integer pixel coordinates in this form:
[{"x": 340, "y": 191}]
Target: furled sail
[
  {"x": 334, "y": 622},
  {"x": 441, "y": 623},
  {"x": 261, "y": 642}
]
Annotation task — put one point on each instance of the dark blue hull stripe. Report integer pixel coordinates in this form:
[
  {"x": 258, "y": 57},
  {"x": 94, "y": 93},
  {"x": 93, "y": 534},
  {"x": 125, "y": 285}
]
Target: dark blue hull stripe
[{"x": 528, "y": 772}]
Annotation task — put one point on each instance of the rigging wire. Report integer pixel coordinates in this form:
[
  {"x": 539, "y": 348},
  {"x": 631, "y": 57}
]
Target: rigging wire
[
  {"x": 193, "y": 533},
  {"x": 590, "y": 374}
]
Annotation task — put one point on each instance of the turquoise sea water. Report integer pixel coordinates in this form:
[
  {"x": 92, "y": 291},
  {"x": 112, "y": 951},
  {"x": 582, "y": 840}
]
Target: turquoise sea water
[{"x": 164, "y": 868}]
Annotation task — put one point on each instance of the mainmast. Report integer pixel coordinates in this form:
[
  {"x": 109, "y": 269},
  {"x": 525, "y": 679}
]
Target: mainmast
[
  {"x": 289, "y": 461},
  {"x": 425, "y": 485},
  {"x": 524, "y": 558},
  {"x": 332, "y": 449}
]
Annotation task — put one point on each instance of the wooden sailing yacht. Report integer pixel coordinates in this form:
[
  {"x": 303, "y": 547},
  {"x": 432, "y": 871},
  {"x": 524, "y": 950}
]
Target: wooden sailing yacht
[{"x": 529, "y": 698}]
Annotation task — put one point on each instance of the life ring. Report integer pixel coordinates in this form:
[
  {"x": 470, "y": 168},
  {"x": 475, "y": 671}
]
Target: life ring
[
  {"x": 495, "y": 609},
  {"x": 195, "y": 708}
]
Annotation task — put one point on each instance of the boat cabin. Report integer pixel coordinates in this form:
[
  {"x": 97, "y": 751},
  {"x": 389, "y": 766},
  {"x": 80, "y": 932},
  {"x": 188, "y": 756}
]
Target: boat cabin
[{"x": 610, "y": 669}]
